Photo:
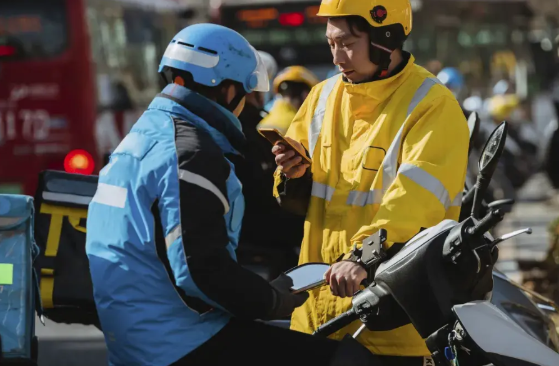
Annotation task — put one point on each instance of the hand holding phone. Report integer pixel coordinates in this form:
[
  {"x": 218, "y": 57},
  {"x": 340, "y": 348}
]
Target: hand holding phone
[{"x": 290, "y": 154}]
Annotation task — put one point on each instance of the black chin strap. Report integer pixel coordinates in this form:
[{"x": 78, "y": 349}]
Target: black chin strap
[
  {"x": 381, "y": 57},
  {"x": 234, "y": 103}
]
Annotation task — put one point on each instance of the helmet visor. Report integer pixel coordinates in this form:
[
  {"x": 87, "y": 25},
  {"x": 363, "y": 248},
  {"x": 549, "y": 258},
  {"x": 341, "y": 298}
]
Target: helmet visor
[{"x": 260, "y": 75}]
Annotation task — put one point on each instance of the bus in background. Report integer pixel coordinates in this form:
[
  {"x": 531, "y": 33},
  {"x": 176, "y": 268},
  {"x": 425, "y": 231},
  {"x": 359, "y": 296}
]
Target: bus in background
[
  {"x": 288, "y": 30},
  {"x": 74, "y": 75}
]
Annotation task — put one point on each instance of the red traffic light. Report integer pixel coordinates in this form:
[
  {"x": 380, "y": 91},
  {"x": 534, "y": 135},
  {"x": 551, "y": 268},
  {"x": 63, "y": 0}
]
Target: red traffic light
[{"x": 79, "y": 161}]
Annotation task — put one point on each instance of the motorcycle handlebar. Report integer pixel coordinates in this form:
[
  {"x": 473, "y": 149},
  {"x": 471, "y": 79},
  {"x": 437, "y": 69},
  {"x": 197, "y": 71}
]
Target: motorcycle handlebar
[
  {"x": 336, "y": 324},
  {"x": 487, "y": 223}
]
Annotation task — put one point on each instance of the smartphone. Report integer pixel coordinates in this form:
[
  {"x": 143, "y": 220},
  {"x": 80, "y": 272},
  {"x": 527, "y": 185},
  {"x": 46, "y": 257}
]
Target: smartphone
[
  {"x": 307, "y": 276},
  {"x": 275, "y": 137}
]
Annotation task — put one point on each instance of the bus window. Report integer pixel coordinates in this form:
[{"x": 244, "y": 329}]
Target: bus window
[{"x": 32, "y": 29}]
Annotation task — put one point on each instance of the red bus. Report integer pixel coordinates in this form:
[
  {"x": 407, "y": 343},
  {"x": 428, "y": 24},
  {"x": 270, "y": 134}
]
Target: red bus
[{"x": 74, "y": 75}]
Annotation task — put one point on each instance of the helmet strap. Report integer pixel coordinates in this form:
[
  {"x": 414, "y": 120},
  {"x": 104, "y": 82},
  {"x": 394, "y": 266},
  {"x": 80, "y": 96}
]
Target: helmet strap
[
  {"x": 234, "y": 103},
  {"x": 383, "y": 42},
  {"x": 380, "y": 56}
]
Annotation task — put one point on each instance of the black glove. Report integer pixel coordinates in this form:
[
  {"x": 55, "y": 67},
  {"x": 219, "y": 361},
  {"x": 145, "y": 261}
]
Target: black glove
[{"x": 285, "y": 302}]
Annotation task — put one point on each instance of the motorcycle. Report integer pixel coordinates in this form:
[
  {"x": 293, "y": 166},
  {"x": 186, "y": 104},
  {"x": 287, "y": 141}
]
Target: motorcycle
[{"x": 443, "y": 282}]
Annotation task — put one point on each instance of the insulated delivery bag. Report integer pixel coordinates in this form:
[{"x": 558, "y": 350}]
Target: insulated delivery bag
[
  {"x": 61, "y": 203},
  {"x": 18, "y": 282}
]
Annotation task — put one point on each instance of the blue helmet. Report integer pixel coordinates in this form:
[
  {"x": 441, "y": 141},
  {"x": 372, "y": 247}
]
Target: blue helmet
[
  {"x": 451, "y": 78},
  {"x": 212, "y": 54}
]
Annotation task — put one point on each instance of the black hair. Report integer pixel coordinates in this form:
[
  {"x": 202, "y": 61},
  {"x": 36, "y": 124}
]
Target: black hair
[{"x": 357, "y": 24}]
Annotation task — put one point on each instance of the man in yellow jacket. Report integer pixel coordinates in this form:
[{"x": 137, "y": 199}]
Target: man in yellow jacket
[
  {"x": 292, "y": 86},
  {"x": 389, "y": 149}
]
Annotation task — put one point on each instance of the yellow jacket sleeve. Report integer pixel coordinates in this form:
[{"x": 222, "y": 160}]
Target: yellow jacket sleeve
[{"x": 430, "y": 176}]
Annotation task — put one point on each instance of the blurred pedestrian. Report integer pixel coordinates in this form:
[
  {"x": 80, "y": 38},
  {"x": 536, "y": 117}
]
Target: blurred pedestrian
[{"x": 291, "y": 86}]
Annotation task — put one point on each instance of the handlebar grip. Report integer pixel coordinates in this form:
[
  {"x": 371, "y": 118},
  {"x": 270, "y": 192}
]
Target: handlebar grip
[
  {"x": 487, "y": 223},
  {"x": 336, "y": 324}
]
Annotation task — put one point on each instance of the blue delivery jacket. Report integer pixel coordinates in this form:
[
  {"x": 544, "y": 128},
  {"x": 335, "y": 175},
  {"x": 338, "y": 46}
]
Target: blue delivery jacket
[{"x": 162, "y": 230}]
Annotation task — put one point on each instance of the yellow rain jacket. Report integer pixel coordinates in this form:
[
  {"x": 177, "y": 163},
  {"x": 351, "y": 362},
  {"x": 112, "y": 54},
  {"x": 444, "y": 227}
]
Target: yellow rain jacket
[
  {"x": 386, "y": 154},
  {"x": 280, "y": 116}
]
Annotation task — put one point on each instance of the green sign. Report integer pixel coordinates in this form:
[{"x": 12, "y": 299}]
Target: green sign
[{"x": 6, "y": 274}]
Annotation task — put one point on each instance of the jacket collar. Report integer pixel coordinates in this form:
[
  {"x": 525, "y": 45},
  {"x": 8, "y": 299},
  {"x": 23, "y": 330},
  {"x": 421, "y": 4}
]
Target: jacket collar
[
  {"x": 217, "y": 117},
  {"x": 365, "y": 97}
]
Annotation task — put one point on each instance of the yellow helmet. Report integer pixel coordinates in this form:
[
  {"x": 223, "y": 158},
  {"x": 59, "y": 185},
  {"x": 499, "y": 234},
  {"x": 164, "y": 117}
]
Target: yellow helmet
[
  {"x": 502, "y": 106},
  {"x": 297, "y": 74},
  {"x": 378, "y": 13}
]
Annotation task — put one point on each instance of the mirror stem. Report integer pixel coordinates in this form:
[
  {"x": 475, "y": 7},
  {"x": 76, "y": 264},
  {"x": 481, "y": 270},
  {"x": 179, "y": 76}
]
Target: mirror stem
[{"x": 480, "y": 189}]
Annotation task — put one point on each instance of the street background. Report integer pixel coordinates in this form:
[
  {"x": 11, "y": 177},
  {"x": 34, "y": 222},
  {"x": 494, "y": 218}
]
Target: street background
[{"x": 76, "y": 74}]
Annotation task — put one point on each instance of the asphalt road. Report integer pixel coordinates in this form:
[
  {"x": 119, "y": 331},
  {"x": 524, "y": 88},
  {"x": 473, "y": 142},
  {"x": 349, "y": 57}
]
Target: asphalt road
[{"x": 70, "y": 345}]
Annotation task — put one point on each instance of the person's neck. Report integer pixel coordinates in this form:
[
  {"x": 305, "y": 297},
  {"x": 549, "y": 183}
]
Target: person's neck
[{"x": 395, "y": 60}]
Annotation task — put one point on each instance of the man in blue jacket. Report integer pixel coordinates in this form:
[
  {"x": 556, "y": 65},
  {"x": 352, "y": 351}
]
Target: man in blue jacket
[{"x": 164, "y": 224}]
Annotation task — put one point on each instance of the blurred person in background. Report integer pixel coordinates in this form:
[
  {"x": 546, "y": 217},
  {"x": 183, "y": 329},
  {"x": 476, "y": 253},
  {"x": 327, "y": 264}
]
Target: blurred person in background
[
  {"x": 164, "y": 225},
  {"x": 269, "y": 254},
  {"x": 453, "y": 79},
  {"x": 434, "y": 66},
  {"x": 389, "y": 149},
  {"x": 520, "y": 153},
  {"x": 291, "y": 86}
]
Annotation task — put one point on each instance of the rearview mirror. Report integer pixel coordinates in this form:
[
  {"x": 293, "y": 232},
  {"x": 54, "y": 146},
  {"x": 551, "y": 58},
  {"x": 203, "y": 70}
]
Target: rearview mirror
[
  {"x": 488, "y": 161},
  {"x": 307, "y": 276},
  {"x": 492, "y": 151}
]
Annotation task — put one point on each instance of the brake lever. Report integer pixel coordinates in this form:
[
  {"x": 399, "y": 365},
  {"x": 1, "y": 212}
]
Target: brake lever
[
  {"x": 511, "y": 235},
  {"x": 501, "y": 203}
]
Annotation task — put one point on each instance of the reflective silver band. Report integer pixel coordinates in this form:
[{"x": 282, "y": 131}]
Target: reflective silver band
[
  {"x": 188, "y": 55},
  {"x": 173, "y": 236},
  {"x": 359, "y": 198},
  {"x": 322, "y": 191},
  {"x": 427, "y": 181},
  {"x": 457, "y": 202},
  {"x": 67, "y": 198},
  {"x": 390, "y": 163},
  {"x": 200, "y": 181},
  {"x": 318, "y": 117}
]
